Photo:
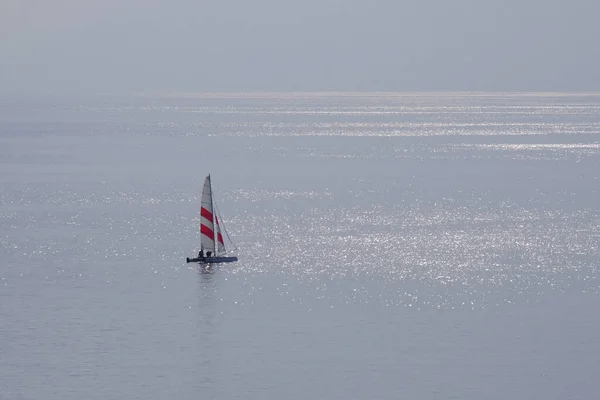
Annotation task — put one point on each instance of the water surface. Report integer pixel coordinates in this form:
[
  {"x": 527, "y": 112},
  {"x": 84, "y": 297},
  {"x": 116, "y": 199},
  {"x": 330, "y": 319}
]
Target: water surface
[{"x": 421, "y": 246}]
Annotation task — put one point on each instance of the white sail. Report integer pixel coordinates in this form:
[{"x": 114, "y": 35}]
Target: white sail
[{"x": 207, "y": 235}]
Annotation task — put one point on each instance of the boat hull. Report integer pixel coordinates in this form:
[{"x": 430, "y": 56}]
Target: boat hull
[{"x": 212, "y": 260}]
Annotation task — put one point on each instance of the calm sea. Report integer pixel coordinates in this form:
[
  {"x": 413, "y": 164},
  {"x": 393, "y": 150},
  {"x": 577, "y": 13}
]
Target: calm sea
[{"x": 392, "y": 246}]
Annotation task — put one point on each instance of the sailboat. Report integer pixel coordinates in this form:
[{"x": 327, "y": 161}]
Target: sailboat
[{"x": 212, "y": 248}]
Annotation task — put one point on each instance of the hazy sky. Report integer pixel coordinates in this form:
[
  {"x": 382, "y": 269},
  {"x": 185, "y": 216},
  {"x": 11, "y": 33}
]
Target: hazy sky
[{"x": 277, "y": 45}]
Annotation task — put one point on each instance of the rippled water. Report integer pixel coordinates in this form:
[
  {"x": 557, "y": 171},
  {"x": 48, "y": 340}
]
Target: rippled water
[{"x": 391, "y": 246}]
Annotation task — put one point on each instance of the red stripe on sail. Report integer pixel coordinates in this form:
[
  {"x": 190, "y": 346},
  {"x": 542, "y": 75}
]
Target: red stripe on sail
[
  {"x": 205, "y": 213},
  {"x": 219, "y": 236},
  {"x": 206, "y": 231}
]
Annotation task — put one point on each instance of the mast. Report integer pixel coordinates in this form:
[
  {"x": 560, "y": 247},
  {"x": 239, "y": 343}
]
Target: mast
[{"x": 213, "y": 215}]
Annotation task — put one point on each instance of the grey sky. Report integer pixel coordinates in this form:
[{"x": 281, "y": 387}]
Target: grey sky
[{"x": 238, "y": 45}]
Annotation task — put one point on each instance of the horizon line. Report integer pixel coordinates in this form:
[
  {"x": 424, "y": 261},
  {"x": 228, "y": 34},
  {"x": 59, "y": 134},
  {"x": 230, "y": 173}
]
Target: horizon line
[{"x": 299, "y": 93}]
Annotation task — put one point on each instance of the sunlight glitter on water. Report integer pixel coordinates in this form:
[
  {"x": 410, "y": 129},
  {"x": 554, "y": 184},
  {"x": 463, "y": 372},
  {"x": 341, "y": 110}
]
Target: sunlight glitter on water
[
  {"x": 474, "y": 248},
  {"x": 460, "y": 193}
]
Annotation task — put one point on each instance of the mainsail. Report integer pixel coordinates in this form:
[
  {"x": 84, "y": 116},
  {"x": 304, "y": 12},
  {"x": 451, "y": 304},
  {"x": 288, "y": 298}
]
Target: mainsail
[{"x": 207, "y": 235}]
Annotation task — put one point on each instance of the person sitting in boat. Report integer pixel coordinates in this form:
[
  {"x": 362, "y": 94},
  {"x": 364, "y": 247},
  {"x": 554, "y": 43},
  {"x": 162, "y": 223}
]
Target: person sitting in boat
[
  {"x": 201, "y": 254},
  {"x": 208, "y": 253}
]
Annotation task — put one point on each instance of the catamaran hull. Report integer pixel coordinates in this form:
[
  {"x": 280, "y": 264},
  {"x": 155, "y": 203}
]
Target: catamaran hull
[{"x": 211, "y": 260}]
